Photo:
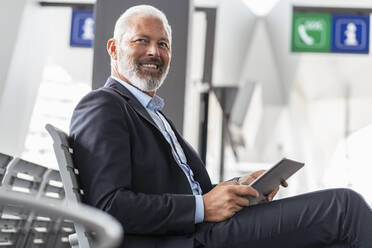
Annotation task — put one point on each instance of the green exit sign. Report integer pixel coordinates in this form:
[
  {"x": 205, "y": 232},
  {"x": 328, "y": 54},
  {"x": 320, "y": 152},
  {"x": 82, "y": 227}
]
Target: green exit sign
[{"x": 311, "y": 32}]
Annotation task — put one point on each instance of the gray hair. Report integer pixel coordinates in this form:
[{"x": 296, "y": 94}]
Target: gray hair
[{"x": 146, "y": 10}]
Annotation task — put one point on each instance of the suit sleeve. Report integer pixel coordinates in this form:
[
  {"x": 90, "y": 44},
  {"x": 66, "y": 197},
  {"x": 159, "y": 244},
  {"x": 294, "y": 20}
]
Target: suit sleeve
[{"x": 102, "y": 153}]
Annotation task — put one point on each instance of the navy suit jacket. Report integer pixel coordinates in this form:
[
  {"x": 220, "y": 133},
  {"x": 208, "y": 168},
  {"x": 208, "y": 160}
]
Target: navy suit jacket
[{"x": 127, "y": 169}]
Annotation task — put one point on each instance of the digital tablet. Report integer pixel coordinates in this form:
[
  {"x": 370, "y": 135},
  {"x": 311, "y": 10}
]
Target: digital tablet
[{"x": 272, "y": 178}]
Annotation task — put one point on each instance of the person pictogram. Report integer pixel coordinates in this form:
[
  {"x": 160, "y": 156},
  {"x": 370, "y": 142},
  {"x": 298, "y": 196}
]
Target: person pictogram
[
  {"x": 88, "y": 29},
  {"x": 350, "y": 32}
]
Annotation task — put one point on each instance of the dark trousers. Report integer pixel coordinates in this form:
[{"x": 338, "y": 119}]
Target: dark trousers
[{"x": 329, "y": 218}]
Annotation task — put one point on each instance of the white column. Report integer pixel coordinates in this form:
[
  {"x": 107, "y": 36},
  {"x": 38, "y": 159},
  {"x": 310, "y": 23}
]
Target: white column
[{"x": 23, "y": 77}]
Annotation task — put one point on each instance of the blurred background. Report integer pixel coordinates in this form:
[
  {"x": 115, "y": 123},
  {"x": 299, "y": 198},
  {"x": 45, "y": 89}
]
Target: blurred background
[{"x": 266, "y": 79}]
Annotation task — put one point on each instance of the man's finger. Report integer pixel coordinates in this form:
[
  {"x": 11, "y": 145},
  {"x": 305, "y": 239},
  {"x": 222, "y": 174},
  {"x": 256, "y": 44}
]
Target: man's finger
[
  {"x": 242, "y": 201},
  {"x": 244, "y": 190},
  {"x": 228, "y": 183},
  {"x": 284, "y": 184},
  {"x": 237, "y": 209},
  {"x": 257, "y": 173},
  {"x": 273, "y": 194}
]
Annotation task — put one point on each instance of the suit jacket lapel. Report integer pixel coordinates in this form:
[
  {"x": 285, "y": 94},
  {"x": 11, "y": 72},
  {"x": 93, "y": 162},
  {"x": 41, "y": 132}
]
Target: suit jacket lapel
[
  {"x": 132, "y": 100},
  {"x": 189, "y": 152},
  {"x": 193, "y": 160}
]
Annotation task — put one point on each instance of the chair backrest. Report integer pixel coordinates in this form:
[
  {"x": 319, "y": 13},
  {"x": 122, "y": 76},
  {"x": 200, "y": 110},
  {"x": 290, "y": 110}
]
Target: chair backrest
[
  {"x": 108, "y": 231},
  {"x": 4, "y": 161},
  {"x": 52, "y": 187},
  {"x": 24, "y": 177},
  {"x": 69, "y": 174}
]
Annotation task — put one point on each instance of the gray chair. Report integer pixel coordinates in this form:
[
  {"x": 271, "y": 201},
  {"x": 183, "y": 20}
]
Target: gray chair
[
  {"x": 108, "y": 231},
  {"x": 30, "y": 180},
  {"x": 69, "y": 175}
]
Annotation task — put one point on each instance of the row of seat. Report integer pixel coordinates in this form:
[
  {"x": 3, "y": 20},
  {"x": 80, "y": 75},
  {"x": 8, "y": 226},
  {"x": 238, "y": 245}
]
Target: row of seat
[
  {"x": 41, "y": 207},
  {"x": 21, "y": 227}
]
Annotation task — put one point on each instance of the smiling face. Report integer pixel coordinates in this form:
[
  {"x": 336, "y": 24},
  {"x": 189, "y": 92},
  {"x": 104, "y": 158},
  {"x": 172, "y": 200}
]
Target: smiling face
[{"x": 143, "y": 53}]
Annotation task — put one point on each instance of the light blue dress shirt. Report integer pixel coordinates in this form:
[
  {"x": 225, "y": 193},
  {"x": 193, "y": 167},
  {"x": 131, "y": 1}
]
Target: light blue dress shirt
[{"x": 153, "y": 107}]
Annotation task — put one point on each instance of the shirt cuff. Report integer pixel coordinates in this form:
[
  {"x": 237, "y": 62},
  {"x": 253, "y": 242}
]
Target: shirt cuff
[{"x": 199, "y": 209}]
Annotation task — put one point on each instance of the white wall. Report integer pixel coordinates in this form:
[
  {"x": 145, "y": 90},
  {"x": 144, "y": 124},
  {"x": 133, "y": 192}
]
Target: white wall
[
  {"x": 10, "y": 18},
  {"x": 23, "y": 78},
  {"x": 41, "y": 59},
  {"x": 65, "y": 79}
]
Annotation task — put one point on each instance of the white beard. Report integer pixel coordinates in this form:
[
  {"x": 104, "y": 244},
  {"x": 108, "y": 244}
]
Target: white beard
[{"x": 130, "y": 71}]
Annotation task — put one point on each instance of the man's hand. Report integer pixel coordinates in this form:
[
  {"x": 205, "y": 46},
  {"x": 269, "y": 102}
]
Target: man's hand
[
  {"x": 247, "y": 180},
  {"x": 226, "y": 199}
]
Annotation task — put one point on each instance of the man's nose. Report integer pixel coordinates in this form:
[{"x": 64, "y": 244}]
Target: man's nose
[{"x": 153, "y": 50}]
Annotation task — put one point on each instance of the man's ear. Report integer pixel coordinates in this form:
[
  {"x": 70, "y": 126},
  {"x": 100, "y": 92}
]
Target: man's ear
[{"x": 111, "y": 48}]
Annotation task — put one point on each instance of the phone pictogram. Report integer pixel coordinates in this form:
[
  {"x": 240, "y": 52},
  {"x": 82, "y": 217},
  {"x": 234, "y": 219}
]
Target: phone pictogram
[{"x": 307, "y": 39}]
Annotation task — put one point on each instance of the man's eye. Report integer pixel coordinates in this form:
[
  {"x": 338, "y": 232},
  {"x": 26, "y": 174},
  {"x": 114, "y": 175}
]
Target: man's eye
[
  {"x": 140, "y": 40},
  {"x": 163, "y": 44}
]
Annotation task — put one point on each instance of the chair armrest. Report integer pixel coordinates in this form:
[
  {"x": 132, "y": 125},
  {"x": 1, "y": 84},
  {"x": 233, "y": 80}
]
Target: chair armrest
[{"x": 108, "y": 231}]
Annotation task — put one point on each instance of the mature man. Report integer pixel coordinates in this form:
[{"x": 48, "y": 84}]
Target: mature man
[{"x": 136, "y": 166}]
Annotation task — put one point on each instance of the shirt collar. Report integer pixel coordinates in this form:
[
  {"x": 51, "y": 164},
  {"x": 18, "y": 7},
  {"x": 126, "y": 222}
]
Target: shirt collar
[{"x": 155, "y": 104}]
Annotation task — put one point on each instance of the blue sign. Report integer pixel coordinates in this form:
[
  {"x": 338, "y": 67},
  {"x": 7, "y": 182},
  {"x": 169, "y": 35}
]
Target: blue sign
[
  {"x": 82, "y": 28},
  {"x": 350, "y": 33}
]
